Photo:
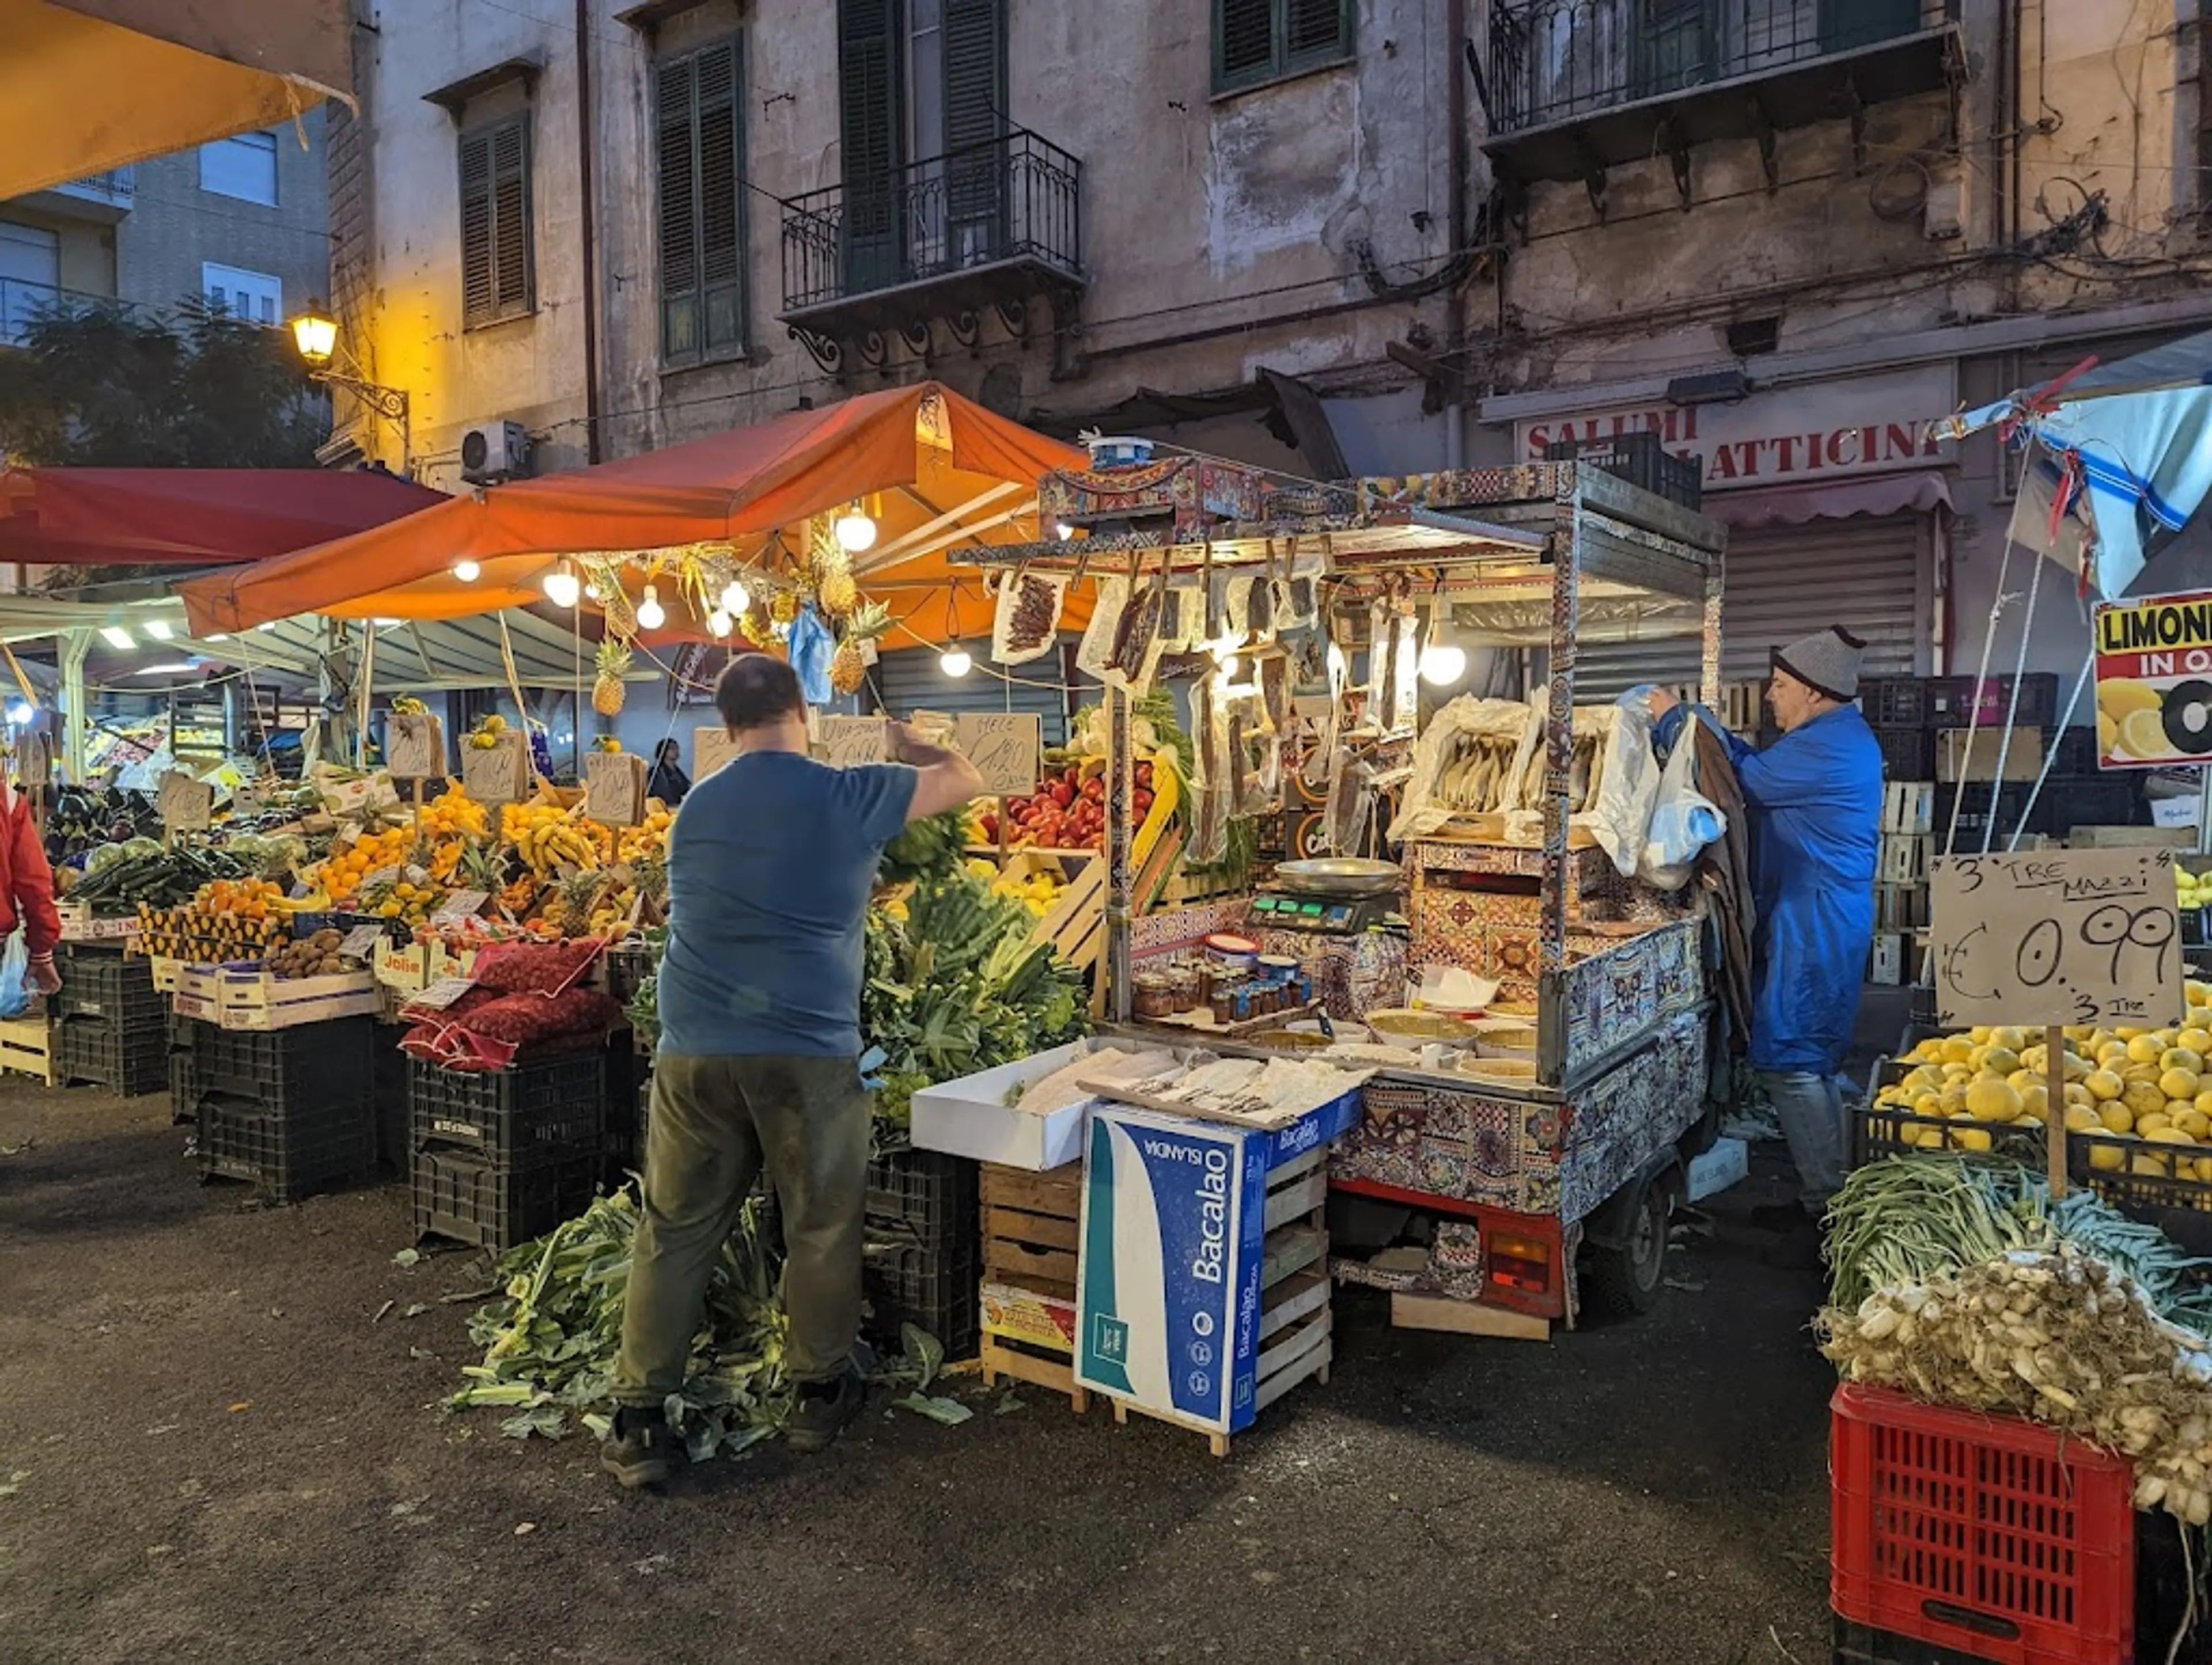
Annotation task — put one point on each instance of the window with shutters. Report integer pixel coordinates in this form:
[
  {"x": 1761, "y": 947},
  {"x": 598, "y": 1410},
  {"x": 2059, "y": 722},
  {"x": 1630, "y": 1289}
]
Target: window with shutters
[
  {"x": 1261, "y": 40},
  {"x": 498, "y": 272},
  {"x": 699, "y": 149}
]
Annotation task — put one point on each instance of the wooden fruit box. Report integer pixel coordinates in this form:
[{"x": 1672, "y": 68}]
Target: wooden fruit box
[
  {"x": 264, "y": 1002},
  {"x": 27, "y": 1047},
  {"x": 1032, "y": 1225},
  {"x": 79, "y": 924}
]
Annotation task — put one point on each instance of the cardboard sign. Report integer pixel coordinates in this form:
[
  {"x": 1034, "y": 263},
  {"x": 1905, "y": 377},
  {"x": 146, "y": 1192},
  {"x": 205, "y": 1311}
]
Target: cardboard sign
[
  {"x": 711, "y": 748},
  {"x": 186, "y": 803},
  {"x": 499, "y": 774},
  {"x": 848, "y": 740},
  {"x": 1005, "y": 747},
  {"x": 415, "y": 746},
  {"x": 2154, "y": 681},
  {"x": 614, "y": 788},
  {"x": 462, "y": 904},
  {"x": 443, "y": 992},
  {"x": 2056, "y": 937},
  {"x": 362, "y": 942}
]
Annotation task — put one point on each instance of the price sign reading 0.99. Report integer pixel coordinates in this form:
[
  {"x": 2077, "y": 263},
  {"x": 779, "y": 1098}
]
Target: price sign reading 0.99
[{"x": 2056, "y": 937}]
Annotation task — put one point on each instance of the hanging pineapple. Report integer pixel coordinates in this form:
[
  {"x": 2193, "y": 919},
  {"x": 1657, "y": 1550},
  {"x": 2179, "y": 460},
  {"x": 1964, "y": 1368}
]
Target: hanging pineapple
[
  {"x": 785, "y": 608},
  {"x": 612, "y": 665},
  {"x": 614, "y": 600},
  {"x": 848, "y": 668},
  {"x": 831, "y": 569}
]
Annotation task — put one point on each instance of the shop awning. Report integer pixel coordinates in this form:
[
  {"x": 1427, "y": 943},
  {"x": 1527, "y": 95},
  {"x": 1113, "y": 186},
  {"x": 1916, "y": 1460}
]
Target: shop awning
[
  {"x": 933, "y": 469},
  {"x": 1834, "y": 500},
  {"x": 90, "y": 85},
  {"x": 86, "y": 517}
]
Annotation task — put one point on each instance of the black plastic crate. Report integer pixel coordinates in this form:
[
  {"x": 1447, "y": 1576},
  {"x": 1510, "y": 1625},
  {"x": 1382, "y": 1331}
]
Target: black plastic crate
[
  {"x": 464, "y": 1195},
  {"x": 335, "y": 1059},
  {"x": 1960, "y": 701},
  {"x": 183, "y": 1089},
  {"x": 1855, "y": 1644},
  {"x": 286, "y": 1151},
  {"x": 2101, "y": 800},
  {"x": 629, "y": 1075},
  {"x": 1978, "y": 801},
  {"x": 934, "y": 1288},
  {"x": 934, "y": 1197},
  {"x": 628, "y": 966},
  {"x": 1641, "y": 459},
  {"x": 2074, "y": 753},
  {"x": 388, "y": 1070},
  {"x": 516, "y": 1115},
  {"x": 1894, "y": 701},
  {"x": 1907, "y": 754},
  {"x": 126, "y": 1060},
  {"x": 101, "y": 983}
]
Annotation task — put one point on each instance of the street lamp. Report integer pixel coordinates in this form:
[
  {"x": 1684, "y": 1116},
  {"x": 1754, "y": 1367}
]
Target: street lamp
[{"x": 315, "y": 332}]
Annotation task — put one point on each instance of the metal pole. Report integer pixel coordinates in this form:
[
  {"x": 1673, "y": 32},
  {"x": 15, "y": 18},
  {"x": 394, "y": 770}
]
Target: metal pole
[
  {"x": 1118, "y": 911},
  {"x": 1559, "y": 764},
  {"x": 75, "y": 644}
]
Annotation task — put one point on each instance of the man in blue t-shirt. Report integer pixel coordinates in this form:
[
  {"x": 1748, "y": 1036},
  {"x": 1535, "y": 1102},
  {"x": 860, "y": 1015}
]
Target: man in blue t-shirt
[{"x": 770, "y": 865}]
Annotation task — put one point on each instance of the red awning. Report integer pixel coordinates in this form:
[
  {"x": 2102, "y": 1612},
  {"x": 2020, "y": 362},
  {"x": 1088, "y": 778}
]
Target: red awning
[
  {"x": 89, "y": 517},
  {"x": 1832, "y": 499}
]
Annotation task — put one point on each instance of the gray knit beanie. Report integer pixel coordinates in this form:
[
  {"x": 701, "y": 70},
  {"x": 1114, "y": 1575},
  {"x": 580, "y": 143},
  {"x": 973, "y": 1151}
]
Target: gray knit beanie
[{"x": 1827, "y": 662}]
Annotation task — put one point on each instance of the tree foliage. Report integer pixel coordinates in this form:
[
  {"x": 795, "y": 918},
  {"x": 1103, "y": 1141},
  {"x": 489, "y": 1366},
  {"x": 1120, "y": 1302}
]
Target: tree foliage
[{"x": 114, "y": 386}]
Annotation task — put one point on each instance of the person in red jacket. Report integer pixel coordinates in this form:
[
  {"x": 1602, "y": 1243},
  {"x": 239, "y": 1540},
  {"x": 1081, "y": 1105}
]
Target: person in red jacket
[{"x": 26, "y": 889}]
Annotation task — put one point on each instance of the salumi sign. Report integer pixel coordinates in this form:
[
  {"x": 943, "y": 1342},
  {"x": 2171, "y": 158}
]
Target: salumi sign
[{"x": 1823, "y": 431}]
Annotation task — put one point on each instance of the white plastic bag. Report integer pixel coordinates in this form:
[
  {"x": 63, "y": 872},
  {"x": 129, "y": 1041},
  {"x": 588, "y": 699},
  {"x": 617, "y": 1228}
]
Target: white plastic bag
[
  {"x": 1628, "y": 787},
  {"x": 15, "y": 991},
  {"x": 1683, "y": 821}
]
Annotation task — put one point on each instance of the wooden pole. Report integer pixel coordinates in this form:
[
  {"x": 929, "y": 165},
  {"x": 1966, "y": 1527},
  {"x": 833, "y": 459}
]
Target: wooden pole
[{"x": 2054, "y": 1113}]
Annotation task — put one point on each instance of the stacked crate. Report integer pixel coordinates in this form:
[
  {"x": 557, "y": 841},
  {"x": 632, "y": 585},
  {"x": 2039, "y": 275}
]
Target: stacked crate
[
  {"x": 289, "y": 1111},
  {"x": 1901, "y": 890},
  {"x": 1031, "y": 1223},
  {"x": 499, "y": 1157},
  {"x": 110, "y": 1024},
  {"x": 923, "y": 1246}
]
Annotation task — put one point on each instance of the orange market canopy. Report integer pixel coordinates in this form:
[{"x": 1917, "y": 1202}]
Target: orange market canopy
[
  {"x": 933, "y": 469},
  {"x": 86, "y": 86}
]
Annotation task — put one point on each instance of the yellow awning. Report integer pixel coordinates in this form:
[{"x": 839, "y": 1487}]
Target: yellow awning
[{"x": 90, "y": 85}]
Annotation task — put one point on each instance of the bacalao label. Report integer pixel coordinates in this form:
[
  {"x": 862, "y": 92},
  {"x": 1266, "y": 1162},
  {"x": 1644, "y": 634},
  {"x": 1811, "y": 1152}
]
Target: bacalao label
[{"x": 2154, "y": 681}]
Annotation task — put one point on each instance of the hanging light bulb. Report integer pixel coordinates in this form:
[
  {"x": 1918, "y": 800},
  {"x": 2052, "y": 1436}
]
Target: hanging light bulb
[
  {"x": 651, "y": 616},
  {"x": 1062, "y": 531},
  {"x": 563, "y": 587},
  {"x": 1230, "y": 666},
  {"x": 591, "y": 593},
  {"x": 718, "y": 623},
  {"x": 856, "y": 530},
  {"x": 1442, "y": 664},
  {"x": 467, "y": 571},
  {"x": 736, "y": 598},
  {"x": 955, "y": 661}
]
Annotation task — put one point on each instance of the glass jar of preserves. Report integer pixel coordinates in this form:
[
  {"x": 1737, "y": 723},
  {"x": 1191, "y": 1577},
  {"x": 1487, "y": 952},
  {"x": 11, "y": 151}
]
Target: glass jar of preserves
[{"x": 1148, "y": 995}]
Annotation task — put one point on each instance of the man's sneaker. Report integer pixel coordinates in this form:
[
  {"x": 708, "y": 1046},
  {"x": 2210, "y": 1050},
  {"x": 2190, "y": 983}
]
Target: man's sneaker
[
  {"x": 638, "y": 1450},
  {"x": 823, "y": 1411}
]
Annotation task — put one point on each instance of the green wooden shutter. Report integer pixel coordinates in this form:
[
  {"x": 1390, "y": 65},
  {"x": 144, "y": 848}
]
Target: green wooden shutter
[
  {"x": 1315, "y": 32},
  {"x": 510, "y": 271},
  {"x": 721, "y": 198},
  {"x": 1845, "y": 24},
  {"x": 476, "y": 287},
  {"x": 975, "y": 43},
  {"x": 871, "y": 127},
  {"x": 1243, "y": 42},
  {"x": 675, "y": 125}
]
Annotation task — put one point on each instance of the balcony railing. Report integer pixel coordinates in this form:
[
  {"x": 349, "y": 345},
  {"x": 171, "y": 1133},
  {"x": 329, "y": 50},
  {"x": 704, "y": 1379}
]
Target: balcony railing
[
  {"x": 116, "y": 188},
  {"x": 1014, "y": 199},
  {"x": 1553, "y": 61}
]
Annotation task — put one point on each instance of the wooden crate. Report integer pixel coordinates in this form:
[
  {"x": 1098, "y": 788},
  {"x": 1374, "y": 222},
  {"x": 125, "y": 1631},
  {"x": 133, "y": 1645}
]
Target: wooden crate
[
  {"x": 27, "y": 1047},
  {"x": 1909, "y": 807},
  {"x": 1900, "y": 907},
  {"x": 1904, "y": 858},
  {"x": 1296, "y": 1317},
  {"x": 1030, "y": 1227}
]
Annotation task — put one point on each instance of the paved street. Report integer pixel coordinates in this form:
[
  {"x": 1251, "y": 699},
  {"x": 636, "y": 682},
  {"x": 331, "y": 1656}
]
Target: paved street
[{"x": 213, "y": 1453}]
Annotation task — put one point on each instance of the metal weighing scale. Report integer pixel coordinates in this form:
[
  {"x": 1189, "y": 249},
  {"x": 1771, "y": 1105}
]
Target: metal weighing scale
[{"x": 1333, "y": 896}]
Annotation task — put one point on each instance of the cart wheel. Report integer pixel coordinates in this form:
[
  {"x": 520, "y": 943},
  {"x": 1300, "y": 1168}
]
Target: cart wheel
[{"x": 1621, "y": 1281}]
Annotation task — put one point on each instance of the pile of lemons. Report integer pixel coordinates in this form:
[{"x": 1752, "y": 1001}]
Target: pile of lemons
[
  {"x": 2190, "y": 891},
  {"x": 2149, "y": 1084}
]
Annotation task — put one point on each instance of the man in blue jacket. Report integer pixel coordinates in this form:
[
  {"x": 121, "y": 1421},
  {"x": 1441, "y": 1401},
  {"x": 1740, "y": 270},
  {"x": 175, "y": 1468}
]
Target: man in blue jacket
[{"x": 1815, "y": 795}]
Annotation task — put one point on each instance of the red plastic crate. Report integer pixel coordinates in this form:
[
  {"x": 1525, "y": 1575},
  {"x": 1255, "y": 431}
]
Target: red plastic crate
[{"x": 1999, "y": 1538}]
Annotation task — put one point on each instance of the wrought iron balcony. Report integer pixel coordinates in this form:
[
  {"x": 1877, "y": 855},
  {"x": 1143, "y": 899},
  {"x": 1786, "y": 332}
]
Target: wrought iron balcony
[
  {"x": 992, "y": 225},
  {"x": 1574, "y": 87}
]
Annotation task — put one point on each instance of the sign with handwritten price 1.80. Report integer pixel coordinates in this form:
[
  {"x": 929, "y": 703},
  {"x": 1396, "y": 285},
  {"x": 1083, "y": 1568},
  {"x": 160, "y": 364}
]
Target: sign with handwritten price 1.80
[
  {"x": 2056, "y": 937},
  {"x": 1005, "y": 747}
]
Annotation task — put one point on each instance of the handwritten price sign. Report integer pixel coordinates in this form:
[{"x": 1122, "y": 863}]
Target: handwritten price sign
[
  {"x": 711, "y": 748},
  {"x": 2057, "y": 936},
  {"x": 845, "y": 741},
  {"x": 1005, "y": 746}
]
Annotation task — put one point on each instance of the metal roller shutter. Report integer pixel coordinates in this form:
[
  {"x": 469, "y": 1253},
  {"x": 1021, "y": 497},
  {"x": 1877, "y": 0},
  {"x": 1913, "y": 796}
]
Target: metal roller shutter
[
  {"x": 1872, "y": 575},
  {"x": 909, "y": 681}
]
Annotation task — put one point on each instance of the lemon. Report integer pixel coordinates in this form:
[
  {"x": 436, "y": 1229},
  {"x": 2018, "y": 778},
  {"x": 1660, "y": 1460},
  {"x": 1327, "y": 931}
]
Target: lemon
[
  {"x": 2021, "y": 1080},
  {"x": 2141, "y": 1074},
  {"x": 2034, "y": 1099},
  {"x": 2008, "y": 1037},
  {"x": 1957, "y": 1072},
  {"x": 2169, "y": 1136},
  {"x": 2144, "y": 1099},
  {"x": 2177, "y": 1083},
  {"x": 2195, "y": 1123},
  {"x": 2081, "y": 1119},
  {"x": 1991, "y": 1100},
  {"x": 2143, "y": 735},
  {"x": 2183, "y": 1058},
  {"x": 1958, "y": 1050},
  {"x": 2108, "y": 734},
  {"x": 2109, "y": 1157},
  {"x": 2123, "y": 1032},
  {"x": 2151, "y": 1125},
  {"x": 2198, "y": 1040},
  {"x": 2144, "y": 1049},
  {"x": 1971, "y": 1138},
  {"x": 1931, "y": 1139},
  {"x": 2103, "y": 1086},
  {"x": 1926, "y": 1103},
  {"x": 2078, "y": 1094},
  {"x": 1951, "y": 1101},
  {"x": 2116, "y": 1117},
  {"x": 2028, "y": 1121},
  {"x": 2127, "y": 696},
  {"x": 2148, "y": 1163},
  {"x": 2112, "y": 1052},
  {"x": 2000, "y": 1060}
]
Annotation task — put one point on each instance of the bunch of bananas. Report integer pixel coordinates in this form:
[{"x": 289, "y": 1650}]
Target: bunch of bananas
[
  {"x": 548, "y": 838},
  {"x": 649, "y": 837}
]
